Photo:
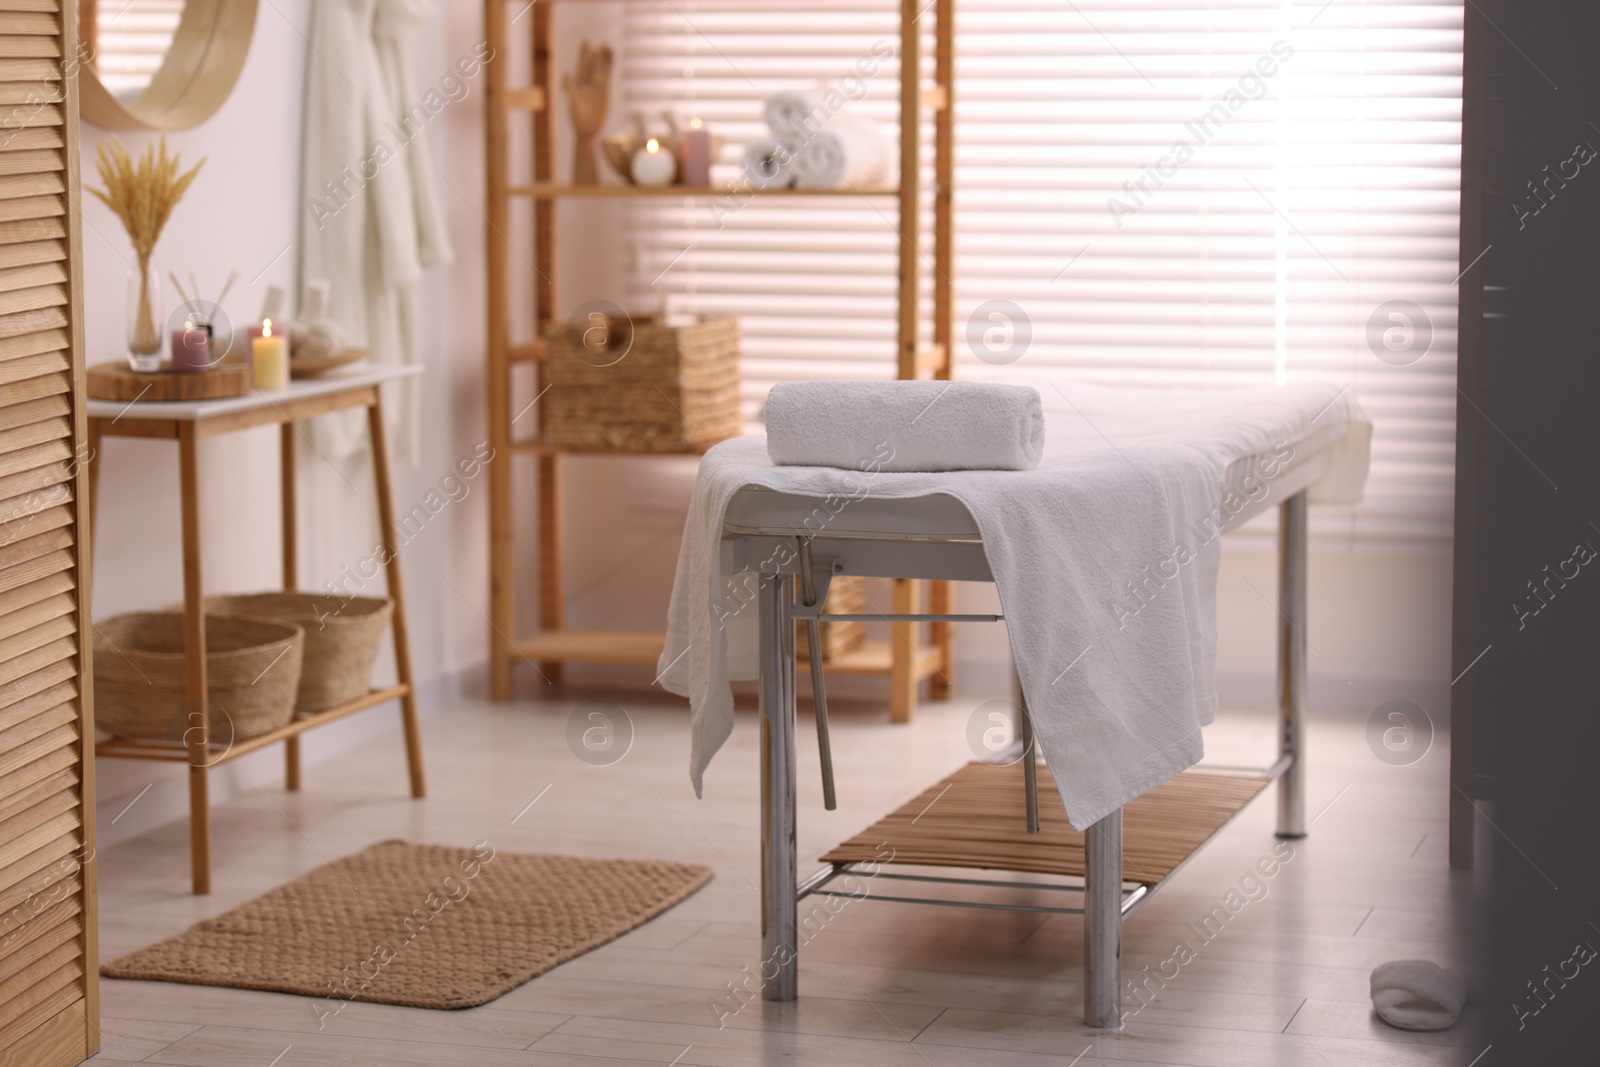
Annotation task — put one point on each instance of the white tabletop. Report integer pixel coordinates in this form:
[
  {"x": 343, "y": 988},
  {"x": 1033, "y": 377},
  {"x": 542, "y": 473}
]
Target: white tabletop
[{"x": 188, "y": 410}]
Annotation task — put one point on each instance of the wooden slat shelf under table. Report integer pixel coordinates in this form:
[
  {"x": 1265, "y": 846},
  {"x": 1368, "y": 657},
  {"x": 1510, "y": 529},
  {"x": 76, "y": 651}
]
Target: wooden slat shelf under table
[{"x": 976, "y": 818}]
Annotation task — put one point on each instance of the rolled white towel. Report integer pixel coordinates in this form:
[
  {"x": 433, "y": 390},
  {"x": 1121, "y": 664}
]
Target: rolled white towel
[
  {"x": 1417, "y": 995},
  {"x": 796, "y": 114},
  {"x": 905, "y": 426},
  {"x": 852, "y": 150},
  {"x": 769, "y": 164}
]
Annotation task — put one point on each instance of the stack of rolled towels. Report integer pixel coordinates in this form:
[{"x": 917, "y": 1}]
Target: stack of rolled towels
[
  {"x": 815, "y": 146},
  {"x": 905, "y": 426}
]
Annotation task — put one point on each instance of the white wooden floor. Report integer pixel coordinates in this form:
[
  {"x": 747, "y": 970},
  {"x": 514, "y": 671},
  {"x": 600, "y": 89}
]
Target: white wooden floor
[{"x": 882, "y": 984}]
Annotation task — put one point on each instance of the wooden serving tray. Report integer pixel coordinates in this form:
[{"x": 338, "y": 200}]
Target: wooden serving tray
[{"x": 118, "y": 381}]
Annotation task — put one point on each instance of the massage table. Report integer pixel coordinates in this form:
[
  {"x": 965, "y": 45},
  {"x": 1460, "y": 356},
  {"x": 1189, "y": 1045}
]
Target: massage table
[{"x": 773, "y": 535}]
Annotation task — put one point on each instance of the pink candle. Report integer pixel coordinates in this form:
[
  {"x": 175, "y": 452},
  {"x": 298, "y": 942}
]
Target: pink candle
[
  {"x": 694, "y": 155},
  {"x": 191, "y": 349}
]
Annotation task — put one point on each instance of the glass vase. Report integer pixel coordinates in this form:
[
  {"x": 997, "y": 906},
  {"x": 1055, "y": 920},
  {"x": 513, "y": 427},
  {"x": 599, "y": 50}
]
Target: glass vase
[{"x": 144, "y": 325}]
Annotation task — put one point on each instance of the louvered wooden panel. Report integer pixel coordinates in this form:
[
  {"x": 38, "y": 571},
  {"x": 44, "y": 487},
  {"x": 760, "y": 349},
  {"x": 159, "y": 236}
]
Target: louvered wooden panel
[
  {"x": 31, "y": 321},
  {"x": 42, "y": 23},
  {"x": 23, "y": 162},
  {"x": 31, "y": 229},
  {"x": 20, "y": 722},
  {"x": 45, "y": 788},
  {"x": 36, "y": 872},
  {"x": 41, "y": 990},
  {"x": 31, "y": 140},
  {"x": 34, "y": 433},
  {"x": 41, "y": 833},
  {"x": 26, "y": 520},
  {"x": 15, "y": 414},
  {"x": 32, "y": 571},
  {"x": 34, "y": 683},
  {"x": 30, "y": 276},
  {"x": 21, "y": 509},
  {"x": 19, "y": 598},
  {"x": 59, "y": 606},
  {"x": 44, "y": 935},
  {"x": 39, "y": 342},
  {"x": 29, "y": 93},
  {"x": 47, "y": 368},
  {"x": 43, "y": 296},
  {"x": 49, "y": 1000},
  {"x": 33, "y": 207}
]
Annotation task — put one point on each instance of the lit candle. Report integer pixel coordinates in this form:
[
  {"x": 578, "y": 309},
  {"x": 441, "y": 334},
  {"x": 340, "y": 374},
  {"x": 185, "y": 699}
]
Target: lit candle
[
  {"x": 653, "y": 165},
  {"x": 694, "y": 155},
  {"x": 270, "y": 355}
]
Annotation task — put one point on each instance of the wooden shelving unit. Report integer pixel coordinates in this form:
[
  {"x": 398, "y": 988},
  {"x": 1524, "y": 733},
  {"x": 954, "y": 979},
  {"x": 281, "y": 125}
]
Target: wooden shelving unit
[{"x": 912, "y": 653}]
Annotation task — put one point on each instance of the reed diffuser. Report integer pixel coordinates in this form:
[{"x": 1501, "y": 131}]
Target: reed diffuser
[{"x": 142, "y": 194}]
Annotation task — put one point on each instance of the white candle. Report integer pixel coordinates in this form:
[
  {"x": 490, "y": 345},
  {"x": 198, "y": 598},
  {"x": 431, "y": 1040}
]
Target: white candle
[
  {"x": 653, "y": 165},
  {"x": 270, "y": 355}
]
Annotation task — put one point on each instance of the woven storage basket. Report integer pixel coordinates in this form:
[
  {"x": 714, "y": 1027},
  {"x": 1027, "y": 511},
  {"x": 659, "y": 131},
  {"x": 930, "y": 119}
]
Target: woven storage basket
[
  {"x": 252, "y": 673},
  {"x": 838, "y": 638},
  {"x": 343, "y": 637},
  {"x": 648, "y": 388}
]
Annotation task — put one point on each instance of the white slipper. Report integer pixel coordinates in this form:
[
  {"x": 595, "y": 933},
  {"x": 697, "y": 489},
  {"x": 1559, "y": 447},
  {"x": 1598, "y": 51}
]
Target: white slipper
[{"x": 1417, "y": 995}]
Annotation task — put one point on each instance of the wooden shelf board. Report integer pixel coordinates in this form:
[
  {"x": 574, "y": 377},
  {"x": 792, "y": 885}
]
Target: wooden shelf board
[
  {"x": 122, "y": 748},
  {"x": 549, "y": 191},
  {"x": 634, "y": 647}
]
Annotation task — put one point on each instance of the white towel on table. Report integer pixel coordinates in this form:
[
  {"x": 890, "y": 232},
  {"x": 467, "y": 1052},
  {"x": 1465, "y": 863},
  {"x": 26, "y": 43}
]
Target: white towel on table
[
  {"x": 850, "y": 151},
  {"x": 933, "y": 426},
  {"x": 1127, "y": 476}
]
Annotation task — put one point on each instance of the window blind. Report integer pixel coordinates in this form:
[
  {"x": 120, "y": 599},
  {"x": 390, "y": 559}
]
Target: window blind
[
  {"x": 131, "y": 39},
  {"x": 1173, "y": 193}
]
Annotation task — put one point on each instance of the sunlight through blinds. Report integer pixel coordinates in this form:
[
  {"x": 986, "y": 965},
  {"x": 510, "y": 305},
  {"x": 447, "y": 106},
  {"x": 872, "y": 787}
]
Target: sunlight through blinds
[{"x": 1165, "y": 193}]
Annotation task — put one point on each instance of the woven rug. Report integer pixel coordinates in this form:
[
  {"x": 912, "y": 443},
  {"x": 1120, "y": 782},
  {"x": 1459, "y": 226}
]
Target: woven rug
[{"x": 428, "y": 926}]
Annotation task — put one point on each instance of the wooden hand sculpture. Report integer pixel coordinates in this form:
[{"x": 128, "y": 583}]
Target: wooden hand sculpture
[{"x": 588, "y": 97}]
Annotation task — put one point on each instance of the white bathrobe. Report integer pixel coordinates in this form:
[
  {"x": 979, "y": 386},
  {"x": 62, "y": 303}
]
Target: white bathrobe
[{"x": 371, "y": 221}]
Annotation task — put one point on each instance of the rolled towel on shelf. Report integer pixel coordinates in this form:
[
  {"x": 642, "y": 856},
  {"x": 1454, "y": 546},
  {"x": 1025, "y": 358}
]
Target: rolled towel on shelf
[
  {"x": 769, "y": 164},
  {"x": 795, "y": 114},
  {"x": 851, "y": 150},
  {"x": 1417, "y": 995},
  {"x": 905, "y": 426}
]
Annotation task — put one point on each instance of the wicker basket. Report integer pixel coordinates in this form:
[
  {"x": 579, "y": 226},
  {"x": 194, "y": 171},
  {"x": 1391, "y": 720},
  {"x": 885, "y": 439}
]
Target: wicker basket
[
  {"x": 252, "y": 673},
  {"x": 838, "y": 638},
  {"x": 665, "y": 389},
  {"x": 343, "y": 637}
]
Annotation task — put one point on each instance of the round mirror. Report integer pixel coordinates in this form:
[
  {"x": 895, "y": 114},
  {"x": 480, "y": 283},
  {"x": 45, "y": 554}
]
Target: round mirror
[{"x": 160, "y": 64}]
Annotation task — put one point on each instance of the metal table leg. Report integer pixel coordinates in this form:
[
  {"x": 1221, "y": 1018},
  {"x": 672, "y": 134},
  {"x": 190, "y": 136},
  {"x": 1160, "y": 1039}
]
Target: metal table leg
[
  {"x": 1102, "y": 923},
  {"x": 1292, "y": 664},
  {"x": 779, "y": 863}
]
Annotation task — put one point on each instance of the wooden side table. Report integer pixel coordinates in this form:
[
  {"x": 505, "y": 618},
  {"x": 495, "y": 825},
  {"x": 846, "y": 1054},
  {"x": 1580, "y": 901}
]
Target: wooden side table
[{"x": 188, "y": 423}]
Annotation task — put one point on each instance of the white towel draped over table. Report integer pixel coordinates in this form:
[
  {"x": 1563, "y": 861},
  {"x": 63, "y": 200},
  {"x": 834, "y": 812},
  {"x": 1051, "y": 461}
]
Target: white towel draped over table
[
  {"x": 1130, "y": 479},
  {"x": 381, "y": 225}
]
